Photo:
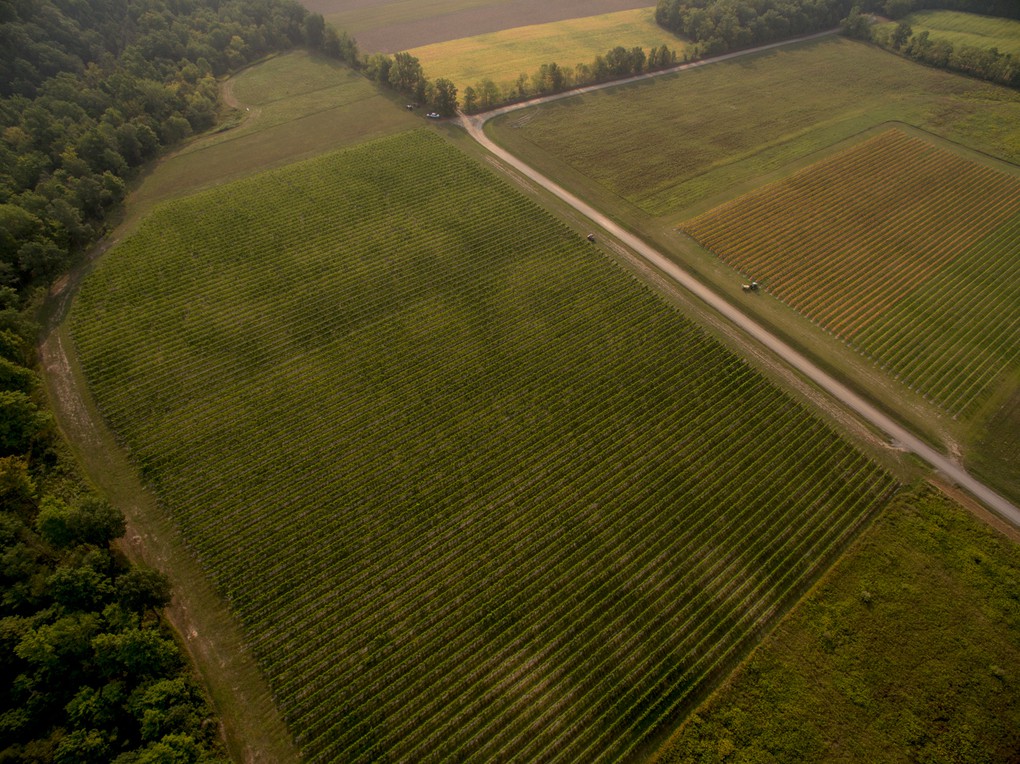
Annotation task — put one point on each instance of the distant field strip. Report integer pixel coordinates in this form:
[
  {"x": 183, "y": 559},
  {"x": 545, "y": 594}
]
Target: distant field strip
[
  {"x": 667, "y": 144},
  {"x": 502, "y": 56},
  {"x": 908, "y": 251},
  {"x": 475, "y": 493},
  {"x": 966, "y": 29}
]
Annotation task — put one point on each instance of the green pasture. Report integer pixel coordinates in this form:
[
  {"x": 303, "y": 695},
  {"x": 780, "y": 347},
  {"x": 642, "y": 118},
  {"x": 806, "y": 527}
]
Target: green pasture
[
  {"x": 907, "y": 650},
  {"x": 963, "y": 29},
  {"x": 502, "y": 56},
  {"x": 473, "y": 491},
  {"x": 291, "y": 107},
  {"x": 667, "y": 144}
]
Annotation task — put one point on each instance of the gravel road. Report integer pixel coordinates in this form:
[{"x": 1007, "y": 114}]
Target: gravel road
[{"x": 897, "y": 434}]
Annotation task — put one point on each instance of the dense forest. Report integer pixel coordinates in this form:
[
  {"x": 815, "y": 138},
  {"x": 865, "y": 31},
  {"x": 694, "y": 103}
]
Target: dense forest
[
  {"x": 92, "y": 89},
  {"x": 88, "y": 671},
  {"x": 718, "y": 26}
]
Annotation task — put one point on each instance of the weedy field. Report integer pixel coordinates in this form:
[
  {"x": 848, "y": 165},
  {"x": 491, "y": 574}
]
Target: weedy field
[
  {"x": 907, "y": 650},
  {"x": 502, "y": 56},
  {"x": 962, "y": 29},
  {"x": 472, "y": 490},
  {"x": 913, "y": 266},
  {"x": 668, "y": 144}
]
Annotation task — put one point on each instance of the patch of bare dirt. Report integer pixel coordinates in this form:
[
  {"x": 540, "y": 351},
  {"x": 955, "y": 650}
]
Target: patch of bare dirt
[{"x": 469, "y": 21}]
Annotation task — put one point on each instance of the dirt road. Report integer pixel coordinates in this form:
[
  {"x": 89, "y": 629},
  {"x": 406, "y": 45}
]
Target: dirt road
[{"x": 897, "y": 434}]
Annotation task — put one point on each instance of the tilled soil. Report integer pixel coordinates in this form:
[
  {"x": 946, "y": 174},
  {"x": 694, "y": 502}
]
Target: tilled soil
[{"x": 499, "y": 15}]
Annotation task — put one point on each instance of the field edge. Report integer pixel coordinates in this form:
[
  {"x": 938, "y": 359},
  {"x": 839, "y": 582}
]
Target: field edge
[{"x": 251, "y": 725}]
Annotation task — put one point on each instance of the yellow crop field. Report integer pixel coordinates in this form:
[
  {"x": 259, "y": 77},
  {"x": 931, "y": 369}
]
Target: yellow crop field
[{"x": 502, "y": 56}]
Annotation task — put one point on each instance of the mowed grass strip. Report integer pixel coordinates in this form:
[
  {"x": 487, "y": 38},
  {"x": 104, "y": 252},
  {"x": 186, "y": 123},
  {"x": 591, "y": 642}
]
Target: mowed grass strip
[
  {"x": 503, "y": 56},
  {"x": 669, "y": 143},
  {"x": 884, "y": 245},
  {"x": 971, "y": 29},
  {"x": 474, "y": 492}
]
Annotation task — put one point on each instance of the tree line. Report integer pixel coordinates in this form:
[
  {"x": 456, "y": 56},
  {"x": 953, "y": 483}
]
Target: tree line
[
  {"x": 555, "y": 78},
  {"x": 718, "y": 26},
  {"x": 983, "y": 63},
  {"x": 89, "y": 673}
]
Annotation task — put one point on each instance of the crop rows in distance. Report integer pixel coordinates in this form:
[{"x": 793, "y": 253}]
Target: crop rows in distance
[
  {"x": 908, "y": 252},
  {"x": 473, "y": 491}
]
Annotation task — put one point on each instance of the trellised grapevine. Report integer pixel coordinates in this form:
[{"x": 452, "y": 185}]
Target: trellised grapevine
[
  {"x": 904, "y": 250},
  {"x": 472, "y": 490}
]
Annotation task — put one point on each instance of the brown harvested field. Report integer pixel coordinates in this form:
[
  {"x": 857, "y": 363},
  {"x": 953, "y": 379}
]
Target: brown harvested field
[
  {"x": 907, "y": 250},
  {"x": 387, "y": 26},
  {"x": 848, "y": 237}
]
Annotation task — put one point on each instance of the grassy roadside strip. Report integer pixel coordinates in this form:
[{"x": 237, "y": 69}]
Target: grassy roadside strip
[
  {"x": 253, "y": 728},
  {"x": 905, "y": 650}
]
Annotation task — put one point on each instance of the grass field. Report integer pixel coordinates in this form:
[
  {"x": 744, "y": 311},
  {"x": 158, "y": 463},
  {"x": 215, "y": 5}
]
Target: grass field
[
  {"x": 668, "y": 144},
  {"x": 290, "y": 107},
  {"x": 905, "y": 250},
  {"x": 391, "y": 25},
  {"x": 473, "y": 492},
  {"x": 502, "y": 56},
  {"x": 963, "y": 29},
  {"x": 907, "y": 650}
]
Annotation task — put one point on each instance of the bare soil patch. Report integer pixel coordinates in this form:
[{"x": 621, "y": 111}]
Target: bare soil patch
[{"x": 465, "y": 22}]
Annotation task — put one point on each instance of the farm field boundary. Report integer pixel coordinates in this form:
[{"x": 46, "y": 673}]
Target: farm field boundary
[
  {"x": 288, "y": 107},
  {"x": 984, "y": 32},
  {"x": 842, "y": 673},
  {"x": 388, "y": 26},
  {"x": 667, "y": 143},
  {"x": 487, "y": 498},
  {"x": 853, "y": 400},
  {"x": 854, "y": 246},
  {"x": 503, "y": 56},
  {"x": 601, "y": 139}
]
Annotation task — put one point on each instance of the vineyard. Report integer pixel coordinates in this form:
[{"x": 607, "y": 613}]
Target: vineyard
[
  {"x": 908, "y": 252},
  {"x": 473, "y": 492},
  {"x": 669, "y": 144}
]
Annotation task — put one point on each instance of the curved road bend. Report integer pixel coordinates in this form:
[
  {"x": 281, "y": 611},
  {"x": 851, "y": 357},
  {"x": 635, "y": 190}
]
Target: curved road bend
[{"x": 897, "y": 434}]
